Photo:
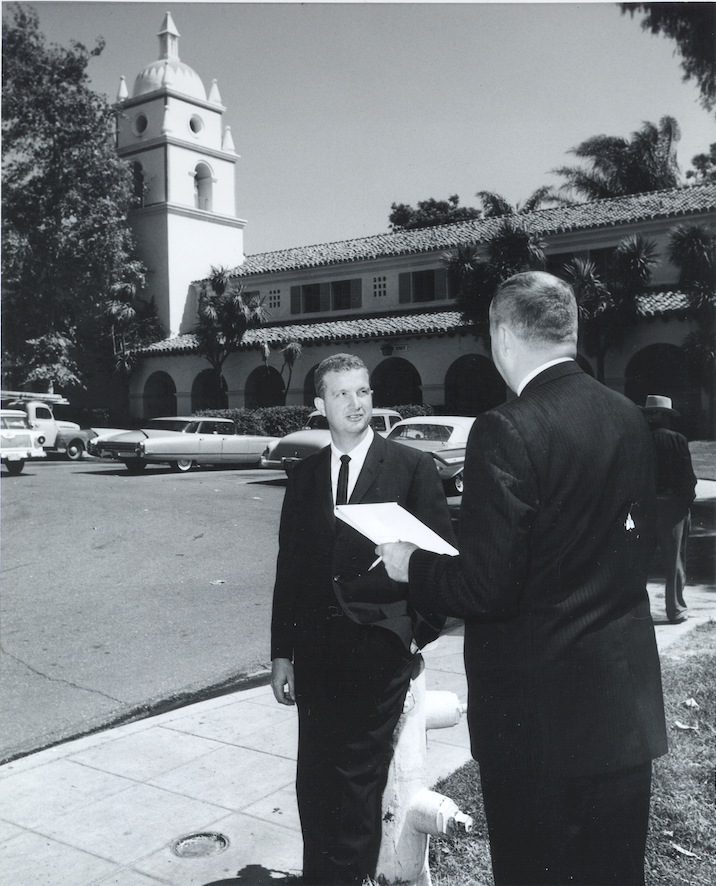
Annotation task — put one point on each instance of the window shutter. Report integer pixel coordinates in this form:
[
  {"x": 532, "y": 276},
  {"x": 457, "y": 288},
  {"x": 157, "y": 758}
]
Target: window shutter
[
  {"x": 404, "y": 288},
  {"x": 356, "y": 293},
  {"x": 441, "y": 283},
  {"x": 325, "y": 297},
  {"x": 295, "y": 299}
]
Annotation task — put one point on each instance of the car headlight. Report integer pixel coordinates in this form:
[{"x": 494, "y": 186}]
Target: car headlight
[
  {"x": 140, "y": 450},
  {"x": 41, "y": 440}
]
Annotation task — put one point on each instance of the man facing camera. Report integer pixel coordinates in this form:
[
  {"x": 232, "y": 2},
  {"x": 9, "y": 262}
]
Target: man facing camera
[
  {"x": 557, "y": 524},
  {"x": 347, "y": 666}
]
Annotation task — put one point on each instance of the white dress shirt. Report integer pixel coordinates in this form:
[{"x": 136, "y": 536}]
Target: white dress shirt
[{"x": 355, "y": 465}]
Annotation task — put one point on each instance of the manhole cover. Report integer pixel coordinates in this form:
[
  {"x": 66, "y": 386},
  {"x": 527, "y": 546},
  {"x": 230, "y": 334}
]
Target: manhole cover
[{"x": 200, "y": 845}]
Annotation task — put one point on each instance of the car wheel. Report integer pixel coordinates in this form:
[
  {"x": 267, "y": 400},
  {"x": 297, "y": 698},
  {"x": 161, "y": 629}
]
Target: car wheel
[
  {"x": 75, "y": 448},
  {"x": 136, "y": 465},
  {"x": 457, "y": 484},
  {"x": 15, "y": 467},
  {"x": 182, "y": 464}
]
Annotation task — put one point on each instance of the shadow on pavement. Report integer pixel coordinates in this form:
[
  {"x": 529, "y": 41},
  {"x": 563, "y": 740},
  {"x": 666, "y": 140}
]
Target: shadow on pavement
[{"x": 256, "y": 875}]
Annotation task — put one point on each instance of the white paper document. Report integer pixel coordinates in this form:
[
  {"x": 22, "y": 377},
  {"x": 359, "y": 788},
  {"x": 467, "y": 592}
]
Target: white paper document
[{"x": 387, "y": 521}]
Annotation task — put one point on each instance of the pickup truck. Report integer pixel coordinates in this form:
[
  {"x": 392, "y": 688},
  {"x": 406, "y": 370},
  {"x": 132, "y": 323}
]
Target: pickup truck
[{"x": 60, "y": 436}]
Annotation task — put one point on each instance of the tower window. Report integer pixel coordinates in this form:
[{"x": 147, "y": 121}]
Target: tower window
[
  {"x": 138, "y": 183},
  {"x": 203, "y": 183},
  {"x": 140, "y": 124},
  {"x": 196, "y": 124}
]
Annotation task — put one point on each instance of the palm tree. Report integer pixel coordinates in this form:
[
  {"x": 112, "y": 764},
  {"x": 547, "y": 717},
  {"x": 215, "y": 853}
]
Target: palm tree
[
  {"x": 225, "y": 313},
  {"x": 475, "y": 279},
  {"x": 605, "y": 313},
  {"x": 290, "y": 352},
  {"x": 619, "y": 166},
  {"x": 495, "y": 205}
]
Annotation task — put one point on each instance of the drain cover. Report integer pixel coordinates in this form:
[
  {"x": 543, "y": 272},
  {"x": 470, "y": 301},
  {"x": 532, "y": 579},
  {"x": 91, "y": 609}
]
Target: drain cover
[{"x": 200, "y": 845}]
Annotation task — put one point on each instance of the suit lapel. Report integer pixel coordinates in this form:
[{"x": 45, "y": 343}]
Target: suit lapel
[
  {"x": 372, "y": 466},
  {"x": 323, "y": 485}
]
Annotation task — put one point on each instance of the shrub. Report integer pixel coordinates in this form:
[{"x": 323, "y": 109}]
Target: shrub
[{"x": 273, "y": 421}]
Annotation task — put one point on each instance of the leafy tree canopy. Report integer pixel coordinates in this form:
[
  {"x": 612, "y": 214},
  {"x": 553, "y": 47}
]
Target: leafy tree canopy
[
  {"x": 65, "y": 197},
  {"x": 693, "y": 27},
  {"x": 429, "y": 213},
  {"x": 617, "y": 166},
  {"x": 704, "y": 170}
]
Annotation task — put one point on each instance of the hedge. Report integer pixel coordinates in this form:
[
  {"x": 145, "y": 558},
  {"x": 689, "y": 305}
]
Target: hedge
[{"x": 277, "y": 421}]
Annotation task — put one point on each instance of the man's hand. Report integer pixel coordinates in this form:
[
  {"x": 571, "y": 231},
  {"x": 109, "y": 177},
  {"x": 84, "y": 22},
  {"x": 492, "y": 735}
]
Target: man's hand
[
  {"x": 282, "y": 681},
  {"x": 396, "y": 558}
]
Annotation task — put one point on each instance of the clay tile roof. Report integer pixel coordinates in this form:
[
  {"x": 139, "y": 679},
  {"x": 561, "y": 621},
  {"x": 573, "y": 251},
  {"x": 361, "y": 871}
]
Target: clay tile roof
[
  {"x": 595, "y": 214},
  {"x": 405, "y": 325}
]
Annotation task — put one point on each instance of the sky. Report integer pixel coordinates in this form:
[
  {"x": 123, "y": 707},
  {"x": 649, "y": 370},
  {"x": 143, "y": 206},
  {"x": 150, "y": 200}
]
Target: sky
[{"x": 338, "y": 110}]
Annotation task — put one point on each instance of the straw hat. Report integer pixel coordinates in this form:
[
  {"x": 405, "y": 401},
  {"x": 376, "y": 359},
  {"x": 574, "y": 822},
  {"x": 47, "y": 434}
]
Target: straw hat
[{"x": 656, "y": 404}]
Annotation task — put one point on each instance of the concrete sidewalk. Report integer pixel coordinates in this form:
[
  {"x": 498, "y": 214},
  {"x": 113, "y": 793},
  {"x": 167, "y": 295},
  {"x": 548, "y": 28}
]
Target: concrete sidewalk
[{"x": 108, "y": 808}]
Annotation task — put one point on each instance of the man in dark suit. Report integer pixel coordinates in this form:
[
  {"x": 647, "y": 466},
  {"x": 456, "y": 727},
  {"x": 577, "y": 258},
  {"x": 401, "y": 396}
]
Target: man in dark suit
[
  {"x": 675, "y": 493},
  {"x": 565, "y": 703},
  {"x": 346, "y": 665}
]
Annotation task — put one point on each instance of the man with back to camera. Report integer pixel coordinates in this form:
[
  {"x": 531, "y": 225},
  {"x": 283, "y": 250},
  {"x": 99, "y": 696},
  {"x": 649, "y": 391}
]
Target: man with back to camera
[
  {"x": 565, "y": 704},
  {"x": 347, "y": 666}
]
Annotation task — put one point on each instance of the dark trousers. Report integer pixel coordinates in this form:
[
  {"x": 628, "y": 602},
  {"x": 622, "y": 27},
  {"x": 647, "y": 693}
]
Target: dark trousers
[
  {"x": 673, "y": 522},
  {"x": 351, "y": 682},
  {"x": 553, "y": 830}
]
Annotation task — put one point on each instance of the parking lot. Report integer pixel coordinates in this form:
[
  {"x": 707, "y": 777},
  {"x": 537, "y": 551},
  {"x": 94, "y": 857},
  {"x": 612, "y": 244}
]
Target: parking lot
[{"x": 121, "y": 592}]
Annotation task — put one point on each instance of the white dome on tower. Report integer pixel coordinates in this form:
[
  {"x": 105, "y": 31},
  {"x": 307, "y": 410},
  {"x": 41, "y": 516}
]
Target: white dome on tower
[{"x": 168, "y": 71}]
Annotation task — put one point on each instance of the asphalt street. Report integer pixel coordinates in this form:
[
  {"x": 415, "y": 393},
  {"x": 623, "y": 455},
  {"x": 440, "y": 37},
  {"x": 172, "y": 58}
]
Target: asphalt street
[{"x": 122, "y": 593}]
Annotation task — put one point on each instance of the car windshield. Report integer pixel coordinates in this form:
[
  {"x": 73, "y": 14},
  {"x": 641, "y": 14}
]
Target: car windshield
[
  {"x": 169, "y": 424},
  {"x": 317, "y": 423},
  {"x": 439, "y": 433},
  {"x": 15, "y": 422}
]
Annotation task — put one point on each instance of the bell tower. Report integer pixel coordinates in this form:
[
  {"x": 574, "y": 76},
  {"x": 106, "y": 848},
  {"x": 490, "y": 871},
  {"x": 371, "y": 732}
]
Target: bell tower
[{"x": 184, "y": 166}]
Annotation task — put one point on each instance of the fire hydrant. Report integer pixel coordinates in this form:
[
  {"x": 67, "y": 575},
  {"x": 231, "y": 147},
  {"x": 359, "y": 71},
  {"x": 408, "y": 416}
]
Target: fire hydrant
[{"x": 412, "y": 812}]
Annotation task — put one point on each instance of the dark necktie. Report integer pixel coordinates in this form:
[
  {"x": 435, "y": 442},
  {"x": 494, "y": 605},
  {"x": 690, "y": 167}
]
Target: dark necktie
[{"x": 342, "y": 493}]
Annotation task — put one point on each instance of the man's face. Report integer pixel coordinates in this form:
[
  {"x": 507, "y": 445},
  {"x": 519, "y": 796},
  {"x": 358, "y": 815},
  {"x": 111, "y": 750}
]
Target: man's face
[{"x": 347, "y": 403}]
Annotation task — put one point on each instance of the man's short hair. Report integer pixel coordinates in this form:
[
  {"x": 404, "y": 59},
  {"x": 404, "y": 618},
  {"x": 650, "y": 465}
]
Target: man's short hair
[
  {"x": 538, "y": 307},
  {"x": 335, "y": 363}
]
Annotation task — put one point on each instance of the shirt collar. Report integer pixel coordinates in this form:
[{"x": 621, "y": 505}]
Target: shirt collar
[
  {"x": 358, "y": 452},
  {"x": 535, "y": 372}
]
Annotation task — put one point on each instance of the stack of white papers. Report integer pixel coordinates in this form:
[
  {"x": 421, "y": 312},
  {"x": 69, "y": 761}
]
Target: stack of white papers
[{"x": 387, "y": 521}]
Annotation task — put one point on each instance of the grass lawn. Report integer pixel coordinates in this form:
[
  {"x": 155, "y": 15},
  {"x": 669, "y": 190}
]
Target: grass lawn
[{"x": 681, "y": 848}]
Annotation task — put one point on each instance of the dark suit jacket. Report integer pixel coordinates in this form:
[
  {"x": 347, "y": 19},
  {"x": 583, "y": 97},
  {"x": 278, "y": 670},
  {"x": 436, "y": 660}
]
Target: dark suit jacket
[
  {"x": 674, "y": 470},
  {"x": 323, "y": 562},
  {"x": 556, "y": 537}
]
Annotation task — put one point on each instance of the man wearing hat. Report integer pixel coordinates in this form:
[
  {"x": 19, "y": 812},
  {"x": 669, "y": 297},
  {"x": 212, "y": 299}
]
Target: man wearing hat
[{"x": 675, "y": 490}]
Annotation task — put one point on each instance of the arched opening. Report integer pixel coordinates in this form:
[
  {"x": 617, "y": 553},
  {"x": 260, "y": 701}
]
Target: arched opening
[
  {"x": 396, "y": 381},
  {"x": 203, "y": 183},
  {"x": 204, "y": 394},
  {"x": 309, "y": 387},
  {"x": 138, "y": 183},
  {"x": 264, "y": 387},
  {"x": 160, "y": 395},
  {"x": 661, "y": 369},
  {"x": 473, "y": 385}
]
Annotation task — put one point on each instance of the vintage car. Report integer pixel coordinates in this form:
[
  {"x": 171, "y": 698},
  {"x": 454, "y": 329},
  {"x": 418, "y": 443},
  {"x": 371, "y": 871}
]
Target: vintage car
[
  {"x": 182, "y": 442},
  {"x": 296, "y": 446},
  {"x": 444, "y": 437},
  {"x": 18, "y": 440}
]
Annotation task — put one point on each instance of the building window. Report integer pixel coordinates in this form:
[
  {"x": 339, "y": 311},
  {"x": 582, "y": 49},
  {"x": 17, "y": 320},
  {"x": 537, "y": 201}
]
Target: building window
[
  {"x": 311, "y": 298},
  {"x": 422, "y": 286},
  {"x": 341, "y": 295},
  {"x": 380, "y": 287},
  {"x": 140, "y": 124},
  {"x": 196, "y": 124},
  {"x": 274, "y": 298},
  {"x": 138, "y": 183},
  {"x": 203, "y": 183}
]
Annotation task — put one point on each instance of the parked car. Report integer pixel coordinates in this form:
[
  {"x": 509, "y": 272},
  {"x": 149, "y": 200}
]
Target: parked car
[
  {"x": 444, "y": 437},
  {"x": 182, "y": 442},
  {"x": 18, "y": 440},
  {"x": 315, "y": 436}
]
